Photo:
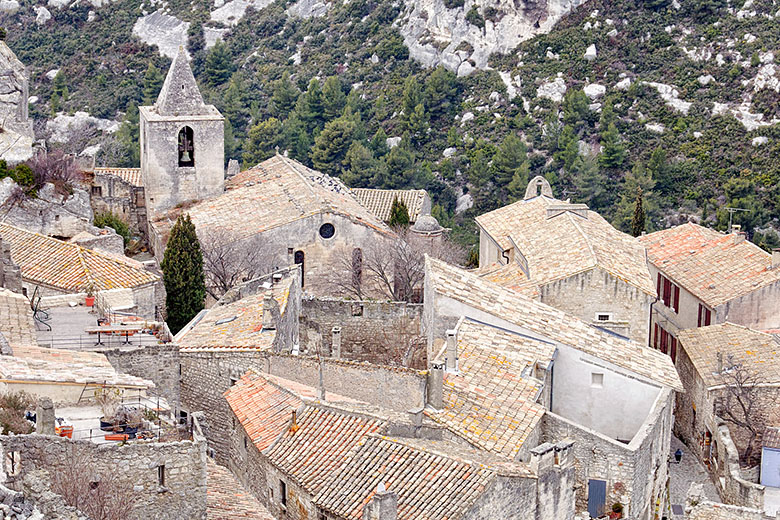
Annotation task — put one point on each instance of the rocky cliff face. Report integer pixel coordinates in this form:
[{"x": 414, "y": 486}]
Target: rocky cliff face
[
  {"x": 437, "y": 35},
  {"x": 16, "y": 130},
  {"x": 50, "y": 214}
]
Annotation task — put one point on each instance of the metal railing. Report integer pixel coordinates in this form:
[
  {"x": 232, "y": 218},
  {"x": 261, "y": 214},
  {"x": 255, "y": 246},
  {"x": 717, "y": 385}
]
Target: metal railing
[{"x": 90, "y": 341}]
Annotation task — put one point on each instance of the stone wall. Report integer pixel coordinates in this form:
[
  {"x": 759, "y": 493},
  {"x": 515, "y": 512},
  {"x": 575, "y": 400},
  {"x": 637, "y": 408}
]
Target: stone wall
[
  {"x": 10, "y": 274},
  {"x": 182, "y": 496},
  {"x": 158, "y": 363},
  {"x": 384, "y": 333},
  {"x": 597, "y": 292}
]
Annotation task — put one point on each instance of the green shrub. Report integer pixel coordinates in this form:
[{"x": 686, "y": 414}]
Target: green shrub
[
  {"x": 111, "y": 220},
  {"x": 474, "y": 18},
  {"x": 454, "y": 4}
]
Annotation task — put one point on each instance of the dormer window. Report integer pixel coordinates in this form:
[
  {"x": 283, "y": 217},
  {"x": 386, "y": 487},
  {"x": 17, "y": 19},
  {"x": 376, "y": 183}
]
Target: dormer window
[{"x": 186, "y": 147}]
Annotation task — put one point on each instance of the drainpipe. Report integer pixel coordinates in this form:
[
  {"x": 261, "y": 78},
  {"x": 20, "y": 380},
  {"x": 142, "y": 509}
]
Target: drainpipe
[{"x": 650, "y": 324}]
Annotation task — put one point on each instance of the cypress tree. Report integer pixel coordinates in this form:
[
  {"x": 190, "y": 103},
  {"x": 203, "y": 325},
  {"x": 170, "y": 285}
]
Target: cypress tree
[
  {"x": 638, "y": 220},
  {"x": 182, "y": 268},
  {"x": 399, "y": 214}
]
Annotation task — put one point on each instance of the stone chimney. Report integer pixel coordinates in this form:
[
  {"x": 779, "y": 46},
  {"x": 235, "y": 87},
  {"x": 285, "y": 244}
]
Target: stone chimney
[
  {"x": 335, "y": 343},
  {"x": 719, "y": 357},
  {"x": 435, "y": 390},
  {"x": 383, "y": 506},
  {"x": 542, "y": 458},
  {"x": 44, "y": 416},
  {"x": 269, "y": 304},
  {"x": 737, "y": 235},
  {"x": 775, "y": 258},
  {"x": 451, "y": 354},
  {"x": 276, "y": 278}
]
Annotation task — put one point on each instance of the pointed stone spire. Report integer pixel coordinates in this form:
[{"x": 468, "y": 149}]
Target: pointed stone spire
[{"x": 180, "y": 94}]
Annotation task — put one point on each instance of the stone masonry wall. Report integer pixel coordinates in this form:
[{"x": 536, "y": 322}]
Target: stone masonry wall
[
  {"x": 158, "y": 363},
  {"x": 120, "y": 198},
  {"x": 183, "y": 496},
  {"x": 384, "y": 333}
]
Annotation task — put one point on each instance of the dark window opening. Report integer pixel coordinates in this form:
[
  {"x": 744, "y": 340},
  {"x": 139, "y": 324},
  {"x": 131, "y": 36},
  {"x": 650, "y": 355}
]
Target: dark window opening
[
  {"x": 705, "y": 316},
  {"x": 161, "y": 474},
  {"x": 13, "y": 463},
  {"x": 186, "y": 147},
  {"x": 603, "y": 317},
  {"x": 283, "y": 492},
  {"x": 24, "y": 291},
  {"x": 182, "y": 417},
  {"x": 233, "y": 380},
  {"x": 97, "y": 191},
  {"x": 327, "y": 230},
  {"x": 94, "y": 485},
  {"x": 299, "y": 258}
]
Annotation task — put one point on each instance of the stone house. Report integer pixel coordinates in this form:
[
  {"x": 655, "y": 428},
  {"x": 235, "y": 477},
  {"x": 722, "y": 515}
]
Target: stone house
[
  {"x": 570, "y": 258},
  {"x": 556, "y": 377},
  {"x": 707, "y": 357},
  {"x": 704, "y": 277},
  {"x": 56, "y": 268},
  {"x": 120, "y": 191},
  {"x": 295, "y": 215},
  {"x": 374, "y": 463}
]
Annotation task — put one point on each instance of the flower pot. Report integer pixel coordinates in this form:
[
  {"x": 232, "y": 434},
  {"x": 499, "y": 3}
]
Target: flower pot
[
  {"x": 89, "y": 301},
  {"x": 613, "y": 515},
  {"x": 106, "y": 426}
]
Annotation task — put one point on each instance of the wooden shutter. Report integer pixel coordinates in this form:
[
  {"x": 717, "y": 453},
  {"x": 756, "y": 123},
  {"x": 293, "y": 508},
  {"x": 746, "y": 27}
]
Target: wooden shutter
[
  {"x": 667, "y": 292},
  {"x": 707, "y": 316},
  {"x": 676, "y": 299},
  {"x": 655, "y": 336},
  {"x": 673, "y": 349},
  {"x": 699, "y": 322}
]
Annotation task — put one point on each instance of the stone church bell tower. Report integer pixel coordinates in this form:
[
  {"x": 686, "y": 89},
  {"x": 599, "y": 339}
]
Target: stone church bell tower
[{"x": 182, "y": 143}]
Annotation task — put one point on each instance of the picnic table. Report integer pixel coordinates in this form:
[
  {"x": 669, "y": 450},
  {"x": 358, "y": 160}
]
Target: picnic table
[{"x": 127, "y": 330}]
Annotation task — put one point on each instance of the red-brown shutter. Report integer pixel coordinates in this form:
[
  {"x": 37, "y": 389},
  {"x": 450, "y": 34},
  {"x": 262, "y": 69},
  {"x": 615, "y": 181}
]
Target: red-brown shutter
[
  {"x": 707, "y": 316},
  {"x": 676, "y": 299},
  {"x": 664, "y": 341},
  {"x": 673, "y": 351},
  {"x": 655, "y": 337},
  {"x": 699, "y": 322},
  {"x": 667, "y": 292}
]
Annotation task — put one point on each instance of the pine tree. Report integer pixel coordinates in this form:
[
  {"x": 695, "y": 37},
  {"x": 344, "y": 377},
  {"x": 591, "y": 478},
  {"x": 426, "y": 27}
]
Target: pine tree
[
  {"x": 309, "y": 107},
  {"x": 232, "y": 147},
  {"x": 568, "y": 148},
  {"x": 333, "y": 98},
  {"x": 264, "y": 137},
  {"x": 518, "y": 184},
  {"x": 361, "y": 168},
  {"x": 441, "y": 91},
  {"x": 153, "y": 81},
  {"x": 128, "y": 138},
  {"x": 182, "y": 268},
  {"x": 399, "y": 214},
  {"x": 410, "y": 98},
  {"x": 638, "y": 220},
  {"x": 284, "y": 96},
  {"x": 575, "y": 108},
  {"x": 613, "y": 152},
  {"x": 233, "y": 102},
  {"x": 60, "y": 86},
  {"x": 378, "y": 143},
  {"x": 219, "y": 65},
  {"x": 331, "y": 146},
  {"x": 417, "y": 123},
  {"x": 590, "y": 182},
  {"x": 508, "y": 158}
]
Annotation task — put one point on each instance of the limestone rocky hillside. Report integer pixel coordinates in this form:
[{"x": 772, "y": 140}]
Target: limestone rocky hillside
[{"x": 466, "y": 99}]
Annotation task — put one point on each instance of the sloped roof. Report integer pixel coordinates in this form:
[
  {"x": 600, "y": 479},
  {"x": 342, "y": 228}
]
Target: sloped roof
[
  {"x": 179, "y": 94},
  {"x": 491, "y": 400},
  {"x": 132, "y": 176},
  {"x": 379, "y": 202},
  {"x": 320, "y": 444},
  {"x": 709, "y": 264},
  {"x": 428, "y": 485},
  {"x": 274, "y": 193},
  {"x": 16, "y": 320},
  {"x": 226, "y": 498},
  {"x": 549, "y": 323},
  {"x": 236, "y": 326},
  {"x": 511, "y": 276},
  {"x": 757, "y": 351},
  {"x": 566, "y": 240},
  {"x": 70, "y": 267},
  {"x": 67, "y": 366}
]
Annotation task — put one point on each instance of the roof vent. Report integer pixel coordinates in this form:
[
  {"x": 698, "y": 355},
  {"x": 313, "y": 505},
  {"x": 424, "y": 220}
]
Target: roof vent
[{"x": 225, "y": 320}]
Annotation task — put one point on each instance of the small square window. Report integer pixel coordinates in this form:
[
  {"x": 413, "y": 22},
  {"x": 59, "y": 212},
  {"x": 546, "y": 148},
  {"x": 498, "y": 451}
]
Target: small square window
[
  {"x": 603, "y": 316},
  {"x": 97, "y": 191},
  {"x": 597, "y": 380}
]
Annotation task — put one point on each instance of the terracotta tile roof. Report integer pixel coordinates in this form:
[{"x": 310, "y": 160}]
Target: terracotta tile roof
[
  {"x": 320, "y": 444},
  {"x": 708, "y": 263},
  {"x": 226, "y": 498},
  {"x": 757, "y": 351},
  {"x": 491, "y": 401},
  {"x": 549, "y": 323},
  {"x": 70, "y": 267},
  {"x": 235, "y": 326},
  {"x": 428, "y": 485},
  {"x": 771, "y": 438},
  {"x": 263, "y": 408},
  {"x": 511, "y": 276},
  {"x": 276, "y": 192},
  {"x": 379, "y": 202},
  {"x": 16, "y": 320},
  {"x": 132, "y": 176},
  {"x": 559, "y": 240},
  {"x": 46, "y": 364}
]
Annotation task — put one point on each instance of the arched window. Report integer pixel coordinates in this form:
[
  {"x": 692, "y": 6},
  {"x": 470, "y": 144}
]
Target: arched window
[
  {"x": 299, "y": 260},
  {"x": 357, "y": 268},
  {"x": 186, "y": 147}
]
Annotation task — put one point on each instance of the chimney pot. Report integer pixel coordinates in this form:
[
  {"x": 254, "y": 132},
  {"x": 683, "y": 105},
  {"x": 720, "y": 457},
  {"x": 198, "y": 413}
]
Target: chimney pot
[
  {"x": 383, "y": 505},
  {"x": 451, "y": 355},
  {"x": 739, "y": 237},
  {"x": 269, "y": 321},
  {"x": 775, "y": 258},
  {"x": 436, "y": 386},
  {"x": 719, "y": 357}
]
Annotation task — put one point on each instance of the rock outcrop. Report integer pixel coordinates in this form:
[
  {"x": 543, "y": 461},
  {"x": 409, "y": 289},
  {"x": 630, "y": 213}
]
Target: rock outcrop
[
  {"x": 16, "y": 128},
  {"x": 437, "y": 35},
  {"x": 163, "y": 30}
]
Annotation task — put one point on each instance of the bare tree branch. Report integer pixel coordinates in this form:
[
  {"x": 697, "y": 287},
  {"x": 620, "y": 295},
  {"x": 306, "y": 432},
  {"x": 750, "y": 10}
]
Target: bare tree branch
[{"x": 737, "y": 405}]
